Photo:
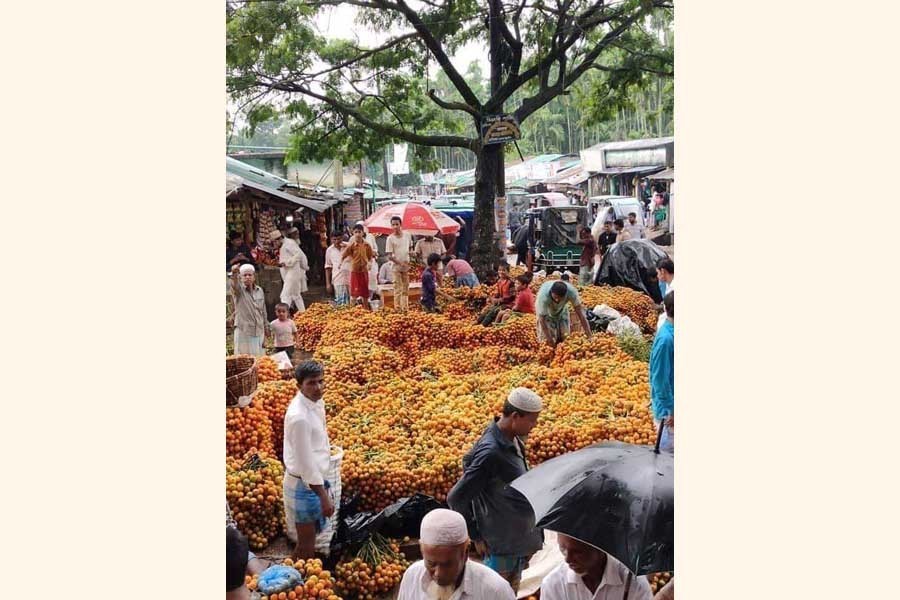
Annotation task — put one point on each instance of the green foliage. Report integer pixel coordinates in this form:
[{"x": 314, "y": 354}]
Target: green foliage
[{"x": 636, "y": 346}]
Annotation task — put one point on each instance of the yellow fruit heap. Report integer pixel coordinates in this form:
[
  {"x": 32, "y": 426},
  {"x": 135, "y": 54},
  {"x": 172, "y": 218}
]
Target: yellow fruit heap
[
  {"x": 267, "y": 370},
  {"x": 376, "y": 570},
  {"x": 408, "y": 394},
  {"x": 275, "y": 397},
  {"x": 637, "y": 306},
  {"x": 253, "y": 489},
  {"x": 248, "y": 428},
  {"x": 318, "y": 583}
]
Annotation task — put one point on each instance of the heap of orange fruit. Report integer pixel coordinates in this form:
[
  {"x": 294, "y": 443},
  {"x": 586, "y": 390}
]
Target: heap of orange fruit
[
  {"x": 254, "y": 493},
  {"x": 376, "y": 569},
  {"x": 318, "y": 583},
  {"x": 408, "y": 394},
  {"x": 275, "y": 396},
  {"x": 267, "y": 369},
  {"x": 248, "y": 428}
]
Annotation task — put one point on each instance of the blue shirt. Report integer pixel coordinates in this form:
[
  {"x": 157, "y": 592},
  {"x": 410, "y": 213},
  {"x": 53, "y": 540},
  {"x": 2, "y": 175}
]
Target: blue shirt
[
  {"x": 662, "y": 371},
  {"x": 428, "y": 289}
]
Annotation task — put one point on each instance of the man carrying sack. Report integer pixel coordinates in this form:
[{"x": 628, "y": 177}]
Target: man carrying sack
[{"x": 309, "y": 499}]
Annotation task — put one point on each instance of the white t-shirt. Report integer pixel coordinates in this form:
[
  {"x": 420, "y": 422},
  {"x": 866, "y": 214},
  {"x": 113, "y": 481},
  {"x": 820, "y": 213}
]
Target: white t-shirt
[
  {"x": 398, "y": 246},
  {"x": 564, "y": 584},
  {"x": 307, "y": 450},
  {"x": 478, "y": 582},
  {"x": 340, "y": 267}
]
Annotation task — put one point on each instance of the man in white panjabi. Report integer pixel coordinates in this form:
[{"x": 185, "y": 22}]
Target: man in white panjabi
[
  {"x": 250, "y": 323},
  {"x": 591, "y": 574},
  {"x": 445, "y": 571},
  {"x": 294, "y": 265}
]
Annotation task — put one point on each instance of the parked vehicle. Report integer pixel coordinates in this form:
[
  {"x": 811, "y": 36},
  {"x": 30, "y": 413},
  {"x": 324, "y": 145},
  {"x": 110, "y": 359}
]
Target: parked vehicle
[
  {"x": 610, "y": 208},
  {"x": 553, "y": 233}
]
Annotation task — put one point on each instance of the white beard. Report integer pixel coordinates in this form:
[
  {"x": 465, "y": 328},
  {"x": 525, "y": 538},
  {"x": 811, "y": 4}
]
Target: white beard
[{"x": 439, "y": 592}]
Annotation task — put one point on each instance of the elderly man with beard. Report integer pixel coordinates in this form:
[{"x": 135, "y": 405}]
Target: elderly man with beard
[
  {"x": 445, "y": 571},
  {"x": 589, "y": 573}
]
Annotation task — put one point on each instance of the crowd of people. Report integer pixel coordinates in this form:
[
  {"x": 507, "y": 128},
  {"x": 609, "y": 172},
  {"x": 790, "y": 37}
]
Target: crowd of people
[{"x": 482, "y": 512}]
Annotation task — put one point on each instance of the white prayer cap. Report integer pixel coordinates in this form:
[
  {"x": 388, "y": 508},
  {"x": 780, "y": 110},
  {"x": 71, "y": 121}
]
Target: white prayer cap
[
  {"x": 247, "y": 268},
  {"x": 525, "y": 400},
  {"x": 442, "y": 527}
]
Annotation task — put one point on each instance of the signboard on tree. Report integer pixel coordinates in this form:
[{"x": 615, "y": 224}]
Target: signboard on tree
[{"x": 499, "y": 129}]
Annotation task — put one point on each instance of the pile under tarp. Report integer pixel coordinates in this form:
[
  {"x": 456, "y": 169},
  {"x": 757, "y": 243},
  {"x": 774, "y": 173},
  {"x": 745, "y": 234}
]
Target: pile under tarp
[{"x": 632, "y": 264}]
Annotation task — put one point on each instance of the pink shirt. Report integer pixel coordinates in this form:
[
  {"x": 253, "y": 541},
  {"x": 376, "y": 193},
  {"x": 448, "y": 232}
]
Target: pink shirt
[
  {"x": 284, "y": 333},
  {"x": 458, "y": 268}
]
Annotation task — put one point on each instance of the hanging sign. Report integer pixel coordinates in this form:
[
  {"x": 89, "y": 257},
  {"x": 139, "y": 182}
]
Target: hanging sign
[{"x": 499, "y": 129}]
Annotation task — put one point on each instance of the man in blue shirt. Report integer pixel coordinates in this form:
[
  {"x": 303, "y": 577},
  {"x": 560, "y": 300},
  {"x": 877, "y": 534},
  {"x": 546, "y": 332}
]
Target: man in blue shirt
[{"x": 662, "y": 376}]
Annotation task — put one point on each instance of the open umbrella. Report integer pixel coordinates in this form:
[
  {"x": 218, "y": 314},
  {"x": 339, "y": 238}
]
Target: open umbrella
[
  {"x": 416, "y": 218},
  {"x": 614, "y": 496}
]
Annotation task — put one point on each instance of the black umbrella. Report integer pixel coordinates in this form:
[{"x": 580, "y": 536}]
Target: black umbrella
[{"x": 614, "y": 496}]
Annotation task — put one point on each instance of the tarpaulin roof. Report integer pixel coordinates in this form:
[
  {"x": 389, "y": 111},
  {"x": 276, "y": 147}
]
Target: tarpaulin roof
[{"x": 668, "y": 174}]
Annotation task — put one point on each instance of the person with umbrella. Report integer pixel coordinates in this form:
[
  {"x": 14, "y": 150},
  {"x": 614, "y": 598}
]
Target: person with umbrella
[
  {"x": 502, "y": 522},
  {"x": 445, "y": 566},
  {"x": 589, "y": 573}
]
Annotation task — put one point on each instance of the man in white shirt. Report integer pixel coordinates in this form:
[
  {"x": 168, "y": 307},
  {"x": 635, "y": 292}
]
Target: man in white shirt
[
  {"x": 337, "y": 270},
  {"x": 294, "y": 265},
  {"x": 429, "y": 245},
  {"x": 445, "y": 570},
  {"x": 307, "y": 457},
  {"x": 397, "y": 250},
  {"x": 665, "y": 273},
  {"x": 386, "y": 273},
  {"x": 637, "y": 230},
  {"x": 591, "y": 574}
]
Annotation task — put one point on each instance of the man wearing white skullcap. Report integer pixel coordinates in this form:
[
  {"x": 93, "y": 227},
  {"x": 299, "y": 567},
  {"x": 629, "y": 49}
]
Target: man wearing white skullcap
[
  {"x": 501, "y": 521},
  {"x": 445, "y": 572},
  {"x": 250, "y": 323}
]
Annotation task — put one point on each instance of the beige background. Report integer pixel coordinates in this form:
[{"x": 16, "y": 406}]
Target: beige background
[{"x": 112, "y": 374}]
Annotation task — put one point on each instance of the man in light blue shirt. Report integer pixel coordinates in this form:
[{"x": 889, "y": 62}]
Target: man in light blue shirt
[{"x": 662, "y": 376}]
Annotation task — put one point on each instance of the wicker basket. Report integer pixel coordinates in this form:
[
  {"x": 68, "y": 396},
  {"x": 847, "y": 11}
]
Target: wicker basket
[{"x": 240, "y": 378}]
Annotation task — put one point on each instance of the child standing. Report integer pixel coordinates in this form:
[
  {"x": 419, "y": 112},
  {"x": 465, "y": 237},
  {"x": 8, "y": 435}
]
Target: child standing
[{"x": 284, "y": 330}]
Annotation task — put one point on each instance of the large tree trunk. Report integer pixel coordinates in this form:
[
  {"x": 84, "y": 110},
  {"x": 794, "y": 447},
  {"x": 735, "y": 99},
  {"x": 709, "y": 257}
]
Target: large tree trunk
[{"x": 484, "y": 254}]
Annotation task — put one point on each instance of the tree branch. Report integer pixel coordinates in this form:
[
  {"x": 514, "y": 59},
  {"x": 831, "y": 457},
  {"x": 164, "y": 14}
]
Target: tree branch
[
  {"x": 386, "y": 130},
  {"x": 532, "y": 104},
  {"x": 453, "y": 105},
  {"x": 437, "y": 50},
  {"x": 366, "y": 54}
]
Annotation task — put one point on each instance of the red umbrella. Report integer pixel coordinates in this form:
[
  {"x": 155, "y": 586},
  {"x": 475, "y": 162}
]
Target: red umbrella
[{"x": 416, "y": 218}]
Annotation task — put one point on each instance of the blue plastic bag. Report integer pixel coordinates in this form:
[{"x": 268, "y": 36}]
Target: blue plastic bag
[{"x": 278, "y": 578}]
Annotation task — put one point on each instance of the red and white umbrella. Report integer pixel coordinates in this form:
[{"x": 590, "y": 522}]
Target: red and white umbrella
[{"x": 415, "y": 217}]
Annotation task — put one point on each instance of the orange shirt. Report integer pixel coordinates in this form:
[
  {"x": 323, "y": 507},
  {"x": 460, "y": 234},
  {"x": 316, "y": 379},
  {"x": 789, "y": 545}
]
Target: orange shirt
[{"x": 360, "y": 254}]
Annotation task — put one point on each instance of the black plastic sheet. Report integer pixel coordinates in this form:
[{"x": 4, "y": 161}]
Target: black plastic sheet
[
  {"x": 632, "y": 264},
  {"x": 402, "y": 518}
]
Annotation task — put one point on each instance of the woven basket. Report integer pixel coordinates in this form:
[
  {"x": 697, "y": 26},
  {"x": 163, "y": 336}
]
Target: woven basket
[{"x": 240, "y": 378}]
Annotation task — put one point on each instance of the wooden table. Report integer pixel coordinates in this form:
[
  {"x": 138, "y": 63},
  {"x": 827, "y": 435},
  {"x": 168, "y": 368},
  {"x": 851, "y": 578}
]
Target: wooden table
[{"x": 386, "y": 291}]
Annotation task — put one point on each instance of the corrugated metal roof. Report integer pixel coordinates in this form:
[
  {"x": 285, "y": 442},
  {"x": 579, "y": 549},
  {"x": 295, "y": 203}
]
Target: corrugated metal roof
[
  {"x": 633, "y": 144},
  {"x": 668, "y": 174},
  {"x": 316, "y": 205},
  {"x": 623, "y": 170},
  {"x": 251, "y": 173}
]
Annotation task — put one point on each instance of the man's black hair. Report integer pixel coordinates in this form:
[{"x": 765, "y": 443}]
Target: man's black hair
[
  {"x": 669, "y": 303},
  {"x": 308, "y": 368},
  {"x": 559, "y": 288},
  {"x": 337, "y": 233},
  {"x": 631, "y": 214},
  {"x": 433, "y": 259},
  {"x": 666, "y": 264},
  {"x": 396, "y": 218},
  {"x": 236, "y": 556},
  {"x": 357, "y": 227},
  {"x": 619, "y": 223}
]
